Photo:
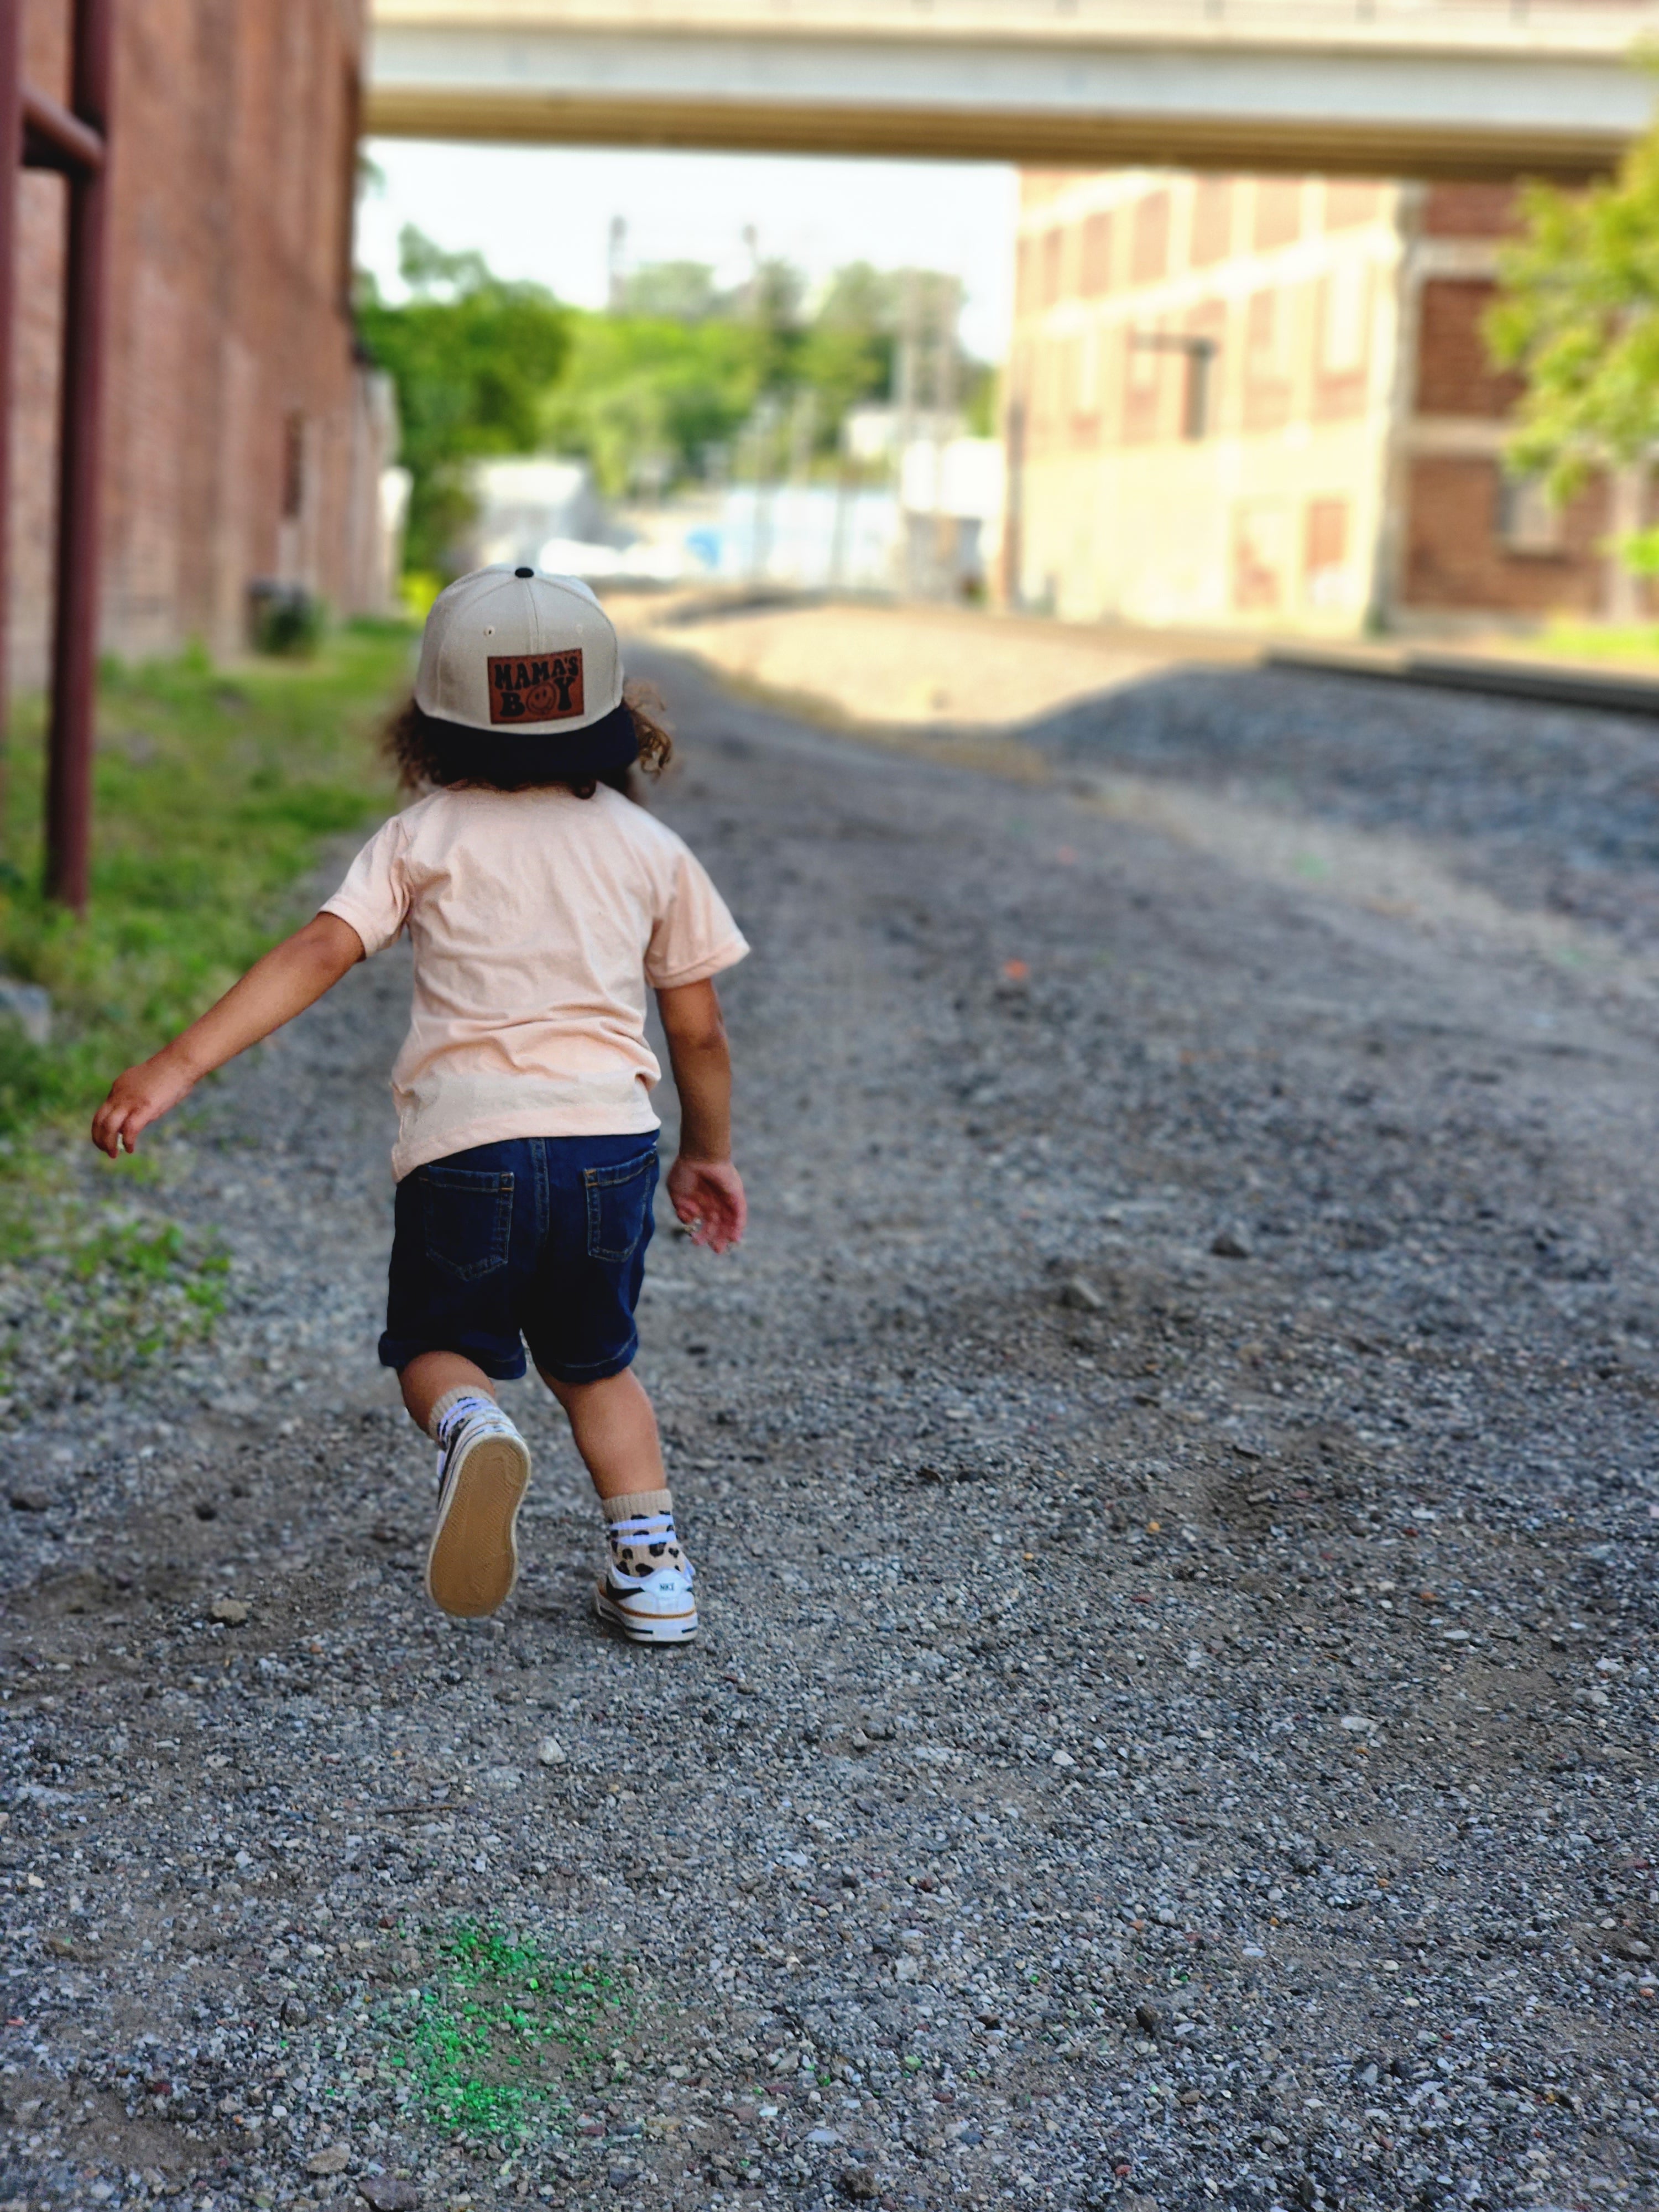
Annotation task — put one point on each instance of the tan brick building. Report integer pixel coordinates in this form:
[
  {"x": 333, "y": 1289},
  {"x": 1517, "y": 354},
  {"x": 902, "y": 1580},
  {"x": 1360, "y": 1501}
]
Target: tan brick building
[
  {"x": 243, "y": 438},
  {"x": 1265, "y": 401}
]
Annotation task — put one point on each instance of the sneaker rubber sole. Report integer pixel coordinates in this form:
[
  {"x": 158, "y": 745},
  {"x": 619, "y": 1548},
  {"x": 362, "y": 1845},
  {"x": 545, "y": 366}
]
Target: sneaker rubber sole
[
  {"x": 473, "y": 1562},
  {"x": 643, "y": 1627}
]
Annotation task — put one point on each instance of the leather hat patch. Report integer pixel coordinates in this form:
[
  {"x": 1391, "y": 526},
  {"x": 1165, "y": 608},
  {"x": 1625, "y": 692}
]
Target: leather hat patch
[{"x": 546, "y": 687}]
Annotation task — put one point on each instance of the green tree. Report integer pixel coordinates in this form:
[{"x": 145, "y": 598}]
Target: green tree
[
  {"x": 1578, "y": 316},
  {"x": 645, "y": 400},
  {"x": 671, "y": 292},
  {"x": 471, "y": 356}
]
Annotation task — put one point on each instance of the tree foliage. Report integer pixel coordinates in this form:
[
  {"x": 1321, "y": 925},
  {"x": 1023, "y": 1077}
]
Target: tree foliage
[
  {"x": 1577, "y": 316},
  {"x": 471, "y": 356},
  {"x": 653, "y": 391}
]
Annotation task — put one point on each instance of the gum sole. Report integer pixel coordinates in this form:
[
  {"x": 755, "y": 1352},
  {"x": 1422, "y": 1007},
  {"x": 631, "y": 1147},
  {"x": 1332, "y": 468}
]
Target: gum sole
[
  {"x": 679, "y": 1630},
  {"x": 474, "y": 1560}
]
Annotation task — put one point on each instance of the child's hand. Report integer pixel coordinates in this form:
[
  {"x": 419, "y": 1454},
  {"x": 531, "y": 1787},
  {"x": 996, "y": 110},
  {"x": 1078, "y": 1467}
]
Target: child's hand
[
  {"x": 140, "y": 1096},
  {"x": 707, "y": 1196}
]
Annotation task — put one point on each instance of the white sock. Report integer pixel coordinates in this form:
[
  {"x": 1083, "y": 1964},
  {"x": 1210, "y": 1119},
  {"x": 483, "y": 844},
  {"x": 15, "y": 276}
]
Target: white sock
[
  {"x": 640, "y": 1529},
  {"x": 452, "y": 1408}
]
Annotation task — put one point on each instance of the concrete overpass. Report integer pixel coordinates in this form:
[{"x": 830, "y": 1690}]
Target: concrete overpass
[{"x": 1376, "y": 87}]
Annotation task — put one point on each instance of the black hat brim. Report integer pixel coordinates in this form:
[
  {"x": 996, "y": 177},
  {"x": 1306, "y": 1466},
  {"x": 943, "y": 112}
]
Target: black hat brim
[{"x": 602, "y": 748}]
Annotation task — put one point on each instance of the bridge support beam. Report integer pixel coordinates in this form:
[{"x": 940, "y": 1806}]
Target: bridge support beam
[{"x": 1381, "y": 108}]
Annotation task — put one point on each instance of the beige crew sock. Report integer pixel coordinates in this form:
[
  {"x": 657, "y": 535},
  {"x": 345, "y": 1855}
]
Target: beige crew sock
[
  {"x": 640, "y": 1529},
  {"x": 447, "y": 1403}
]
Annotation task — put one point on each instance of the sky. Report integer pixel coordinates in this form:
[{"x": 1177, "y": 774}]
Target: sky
[{"x": 545, "y": 212}]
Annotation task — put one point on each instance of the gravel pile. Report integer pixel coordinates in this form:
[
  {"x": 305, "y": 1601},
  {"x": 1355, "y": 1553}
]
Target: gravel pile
[
  {"x": 1550, "y": 808},
  {"x": 1173, "y": 1479}
]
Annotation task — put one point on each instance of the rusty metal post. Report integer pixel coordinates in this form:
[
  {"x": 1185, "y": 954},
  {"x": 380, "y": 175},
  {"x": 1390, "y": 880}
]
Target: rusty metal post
[
  {"x": 11, "y": 157},
  {"x": 75, "y": 642}
]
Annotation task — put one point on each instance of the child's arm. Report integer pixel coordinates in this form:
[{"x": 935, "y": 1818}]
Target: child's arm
[
  {"x": 275, "y": 989},
  {"x": 704, "y": 1188}
]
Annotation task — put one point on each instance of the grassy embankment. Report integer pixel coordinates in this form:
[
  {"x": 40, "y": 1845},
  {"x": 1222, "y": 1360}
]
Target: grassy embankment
[{"x": 214, "y": 793}]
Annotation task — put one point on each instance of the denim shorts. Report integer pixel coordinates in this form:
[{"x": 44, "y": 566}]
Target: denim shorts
[{"x": 537, "y": 1241}]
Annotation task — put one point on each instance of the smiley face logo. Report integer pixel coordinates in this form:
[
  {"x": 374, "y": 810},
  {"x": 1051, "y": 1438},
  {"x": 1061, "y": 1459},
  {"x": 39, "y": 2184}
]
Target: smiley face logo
[{"x": 543, "y": 687}]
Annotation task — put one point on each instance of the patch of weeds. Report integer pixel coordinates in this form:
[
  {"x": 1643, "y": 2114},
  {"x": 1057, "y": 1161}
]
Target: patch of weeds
[
  {"x": 489, "y": 2039},
  {"x": 211, "y": 799},
  {"x": 99, "y": 1291}
]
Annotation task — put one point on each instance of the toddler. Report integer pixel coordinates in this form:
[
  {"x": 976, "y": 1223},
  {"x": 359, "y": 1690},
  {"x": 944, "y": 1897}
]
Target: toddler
[{"x": 540, "y": 901}]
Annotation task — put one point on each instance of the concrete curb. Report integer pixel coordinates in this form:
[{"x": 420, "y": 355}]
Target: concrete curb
[{"x": 1500, "y": 679}]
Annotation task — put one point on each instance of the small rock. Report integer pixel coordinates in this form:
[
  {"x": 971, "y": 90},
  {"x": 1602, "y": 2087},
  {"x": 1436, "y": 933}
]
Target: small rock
[
  {"x": 333, "y": 2159},
  {"x": 388, "y": 2192},
  {"x": 824, "y": 2136},
  {"x": 502, "y": 1779},
  {"x": 29, "y": 1501},
  {"x": 232, "y": 1610},
  {"x": 1151, "y": 2019},
  {"x": 1230, "y": 1244},
  {"x": 1080, "y": 1294},
  {"x": 1062, "y": 1758},
  {"x": 550, "y": 1752},
  {"x": 860, "y": 2183},
  {"x": 29, "y": 1006}
]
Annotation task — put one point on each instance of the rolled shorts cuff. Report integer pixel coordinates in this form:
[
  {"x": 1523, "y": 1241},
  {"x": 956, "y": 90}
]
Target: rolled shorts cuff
[
  {"x": 594, "y": 1371},
  {"x": 499, "y": 1366}
]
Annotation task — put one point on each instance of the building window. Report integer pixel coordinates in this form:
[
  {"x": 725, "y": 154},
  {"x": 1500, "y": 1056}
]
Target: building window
[
  {"x": 1342, "y": 320},
  {"x": 1278, "y": 212},
  {"x": 1528, "y": 520},
  {"x": 1261, "y": 529},
  {"x": 1325, "y": 552},
  {"x": 1096, "y": 271},
  {"x": 1213, "y": 219},
  {"x": 1149, "y": 257},
  {"x": 1054, "y": 247}
]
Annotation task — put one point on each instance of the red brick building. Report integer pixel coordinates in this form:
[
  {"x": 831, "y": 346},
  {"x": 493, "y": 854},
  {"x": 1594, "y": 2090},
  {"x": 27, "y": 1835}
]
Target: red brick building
[
  {"x": 243, "y": 439},
  {"x": 1265, "y": 401}
]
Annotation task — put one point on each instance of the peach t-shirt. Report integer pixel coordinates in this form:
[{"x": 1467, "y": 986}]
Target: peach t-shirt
[{"x": 538, "y": 920}]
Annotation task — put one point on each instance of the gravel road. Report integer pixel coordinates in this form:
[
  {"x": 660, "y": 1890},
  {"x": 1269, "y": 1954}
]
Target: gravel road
[{"x": 1173, "y": 1479}]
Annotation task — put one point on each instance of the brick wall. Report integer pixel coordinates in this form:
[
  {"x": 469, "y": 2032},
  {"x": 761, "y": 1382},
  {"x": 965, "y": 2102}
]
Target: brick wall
[
  {"x": 1459, "y": 556},
  {"x": 231, "y": 351},
  {"x": 1456, "y": 557}
]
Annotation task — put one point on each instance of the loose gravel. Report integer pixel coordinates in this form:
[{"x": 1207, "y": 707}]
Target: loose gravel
[{"x": 1173, "y": 1479}]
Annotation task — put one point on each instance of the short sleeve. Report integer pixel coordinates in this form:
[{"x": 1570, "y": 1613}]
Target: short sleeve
[
  {"x": 695, "y": 936},
  {"x": 374, "y": 896}
]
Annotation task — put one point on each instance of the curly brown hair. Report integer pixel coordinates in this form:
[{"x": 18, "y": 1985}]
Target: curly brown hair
[{"x": 430, "y": 753}]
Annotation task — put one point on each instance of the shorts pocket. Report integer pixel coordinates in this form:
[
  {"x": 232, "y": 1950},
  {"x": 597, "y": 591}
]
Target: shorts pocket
[
  {"x": 466, "y": 1218},
  {"x": 619, "y": 1206}
]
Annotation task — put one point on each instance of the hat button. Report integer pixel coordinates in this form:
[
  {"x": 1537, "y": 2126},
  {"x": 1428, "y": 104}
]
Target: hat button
[{"x": 524, "y": 572}]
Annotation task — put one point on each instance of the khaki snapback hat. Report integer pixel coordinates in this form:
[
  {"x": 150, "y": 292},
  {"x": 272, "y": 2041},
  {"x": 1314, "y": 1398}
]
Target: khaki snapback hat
[{"x": 518, "y": 654}]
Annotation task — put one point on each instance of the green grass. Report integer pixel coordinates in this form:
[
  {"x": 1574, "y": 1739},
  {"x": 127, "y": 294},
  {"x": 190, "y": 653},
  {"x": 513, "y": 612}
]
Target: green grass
[
  {"x": 1634, "y": 643},
  {"x": 213, "y": 794},
  {"x": 489, "y": 2037}
]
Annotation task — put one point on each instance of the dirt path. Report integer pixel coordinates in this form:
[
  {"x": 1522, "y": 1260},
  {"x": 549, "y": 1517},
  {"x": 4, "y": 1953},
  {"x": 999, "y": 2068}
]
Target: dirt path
[{"x": 1173, "y": 1476}]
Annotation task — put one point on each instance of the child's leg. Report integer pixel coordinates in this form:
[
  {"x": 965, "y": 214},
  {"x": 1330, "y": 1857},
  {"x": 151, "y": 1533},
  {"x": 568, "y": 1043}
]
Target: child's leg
[
  {"x": 615, "y": 1432},
  {"x": 647, "y": 1591},
  {"x": 432, "y": 1376},
  {"x": 482, "y": 1468}
]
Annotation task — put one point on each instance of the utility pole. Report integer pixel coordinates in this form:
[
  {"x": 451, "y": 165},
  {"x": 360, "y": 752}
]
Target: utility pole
[
  {"x": 616, "y": 256},
  {"x": 907, "y": 371},
  {"x": 84, "y": 132},
  {"x": 11, "y": 160}
]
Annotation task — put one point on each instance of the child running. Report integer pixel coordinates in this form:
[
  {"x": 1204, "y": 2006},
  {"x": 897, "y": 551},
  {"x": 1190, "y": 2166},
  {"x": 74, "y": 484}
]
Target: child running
[{"x": 540, "y": 901}]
